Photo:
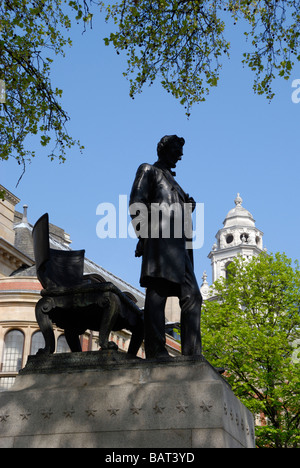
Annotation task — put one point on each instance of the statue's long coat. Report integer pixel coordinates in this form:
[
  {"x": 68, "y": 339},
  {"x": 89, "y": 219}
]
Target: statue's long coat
[{"x": 162, "y": 257}]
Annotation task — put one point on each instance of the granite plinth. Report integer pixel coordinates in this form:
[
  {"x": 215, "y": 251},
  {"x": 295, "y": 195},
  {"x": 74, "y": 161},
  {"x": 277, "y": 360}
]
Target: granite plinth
[{"x": 106, "y": 399}]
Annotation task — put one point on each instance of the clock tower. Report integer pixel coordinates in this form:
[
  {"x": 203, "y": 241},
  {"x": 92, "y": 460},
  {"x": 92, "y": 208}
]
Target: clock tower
[{"x": 239, "y": 236}]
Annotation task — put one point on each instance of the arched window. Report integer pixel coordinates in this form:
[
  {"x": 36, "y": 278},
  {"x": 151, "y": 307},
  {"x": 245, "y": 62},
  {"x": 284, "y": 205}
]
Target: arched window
[
  {"x": 227, "y": 273},
  {"x": 13, "y": 351},
  {"x": 229, "y": 239},
  {"x": 37, "y": 342},
  {"x": 62, "y": 345},
  {"x": 244, "y": 237},
  {"x": 131, "y": 296}
]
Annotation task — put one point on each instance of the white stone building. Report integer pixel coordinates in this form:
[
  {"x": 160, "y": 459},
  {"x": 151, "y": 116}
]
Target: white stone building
[{"x": 238, "y": 236}]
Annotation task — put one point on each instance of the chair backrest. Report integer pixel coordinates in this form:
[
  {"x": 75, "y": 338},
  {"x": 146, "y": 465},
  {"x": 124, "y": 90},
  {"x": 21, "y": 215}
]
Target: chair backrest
[
  {"x": 40, "y": 235},
  {"x": 55, "y": 268},
  {"x": 65, "y": 268}
]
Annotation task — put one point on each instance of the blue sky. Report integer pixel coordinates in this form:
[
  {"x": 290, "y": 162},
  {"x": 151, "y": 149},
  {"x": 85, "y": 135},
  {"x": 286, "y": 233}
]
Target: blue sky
[{"x": 235, "y": 142}]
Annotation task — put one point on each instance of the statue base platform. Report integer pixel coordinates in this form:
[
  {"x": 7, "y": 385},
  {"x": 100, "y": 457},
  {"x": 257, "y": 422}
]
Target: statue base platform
[{"x": 108, "y": 400}]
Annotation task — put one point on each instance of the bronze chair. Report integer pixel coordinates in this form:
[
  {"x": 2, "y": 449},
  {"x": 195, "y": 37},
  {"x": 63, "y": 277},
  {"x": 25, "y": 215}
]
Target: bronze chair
[{"x": 76, "y": 302}]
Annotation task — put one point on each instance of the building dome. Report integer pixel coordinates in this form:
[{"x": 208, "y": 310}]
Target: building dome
[{"x": 239, "y": 216}]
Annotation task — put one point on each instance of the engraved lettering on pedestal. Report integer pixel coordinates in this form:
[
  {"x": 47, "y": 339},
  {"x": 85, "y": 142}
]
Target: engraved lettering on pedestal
[{"x": 225, "y": 409}]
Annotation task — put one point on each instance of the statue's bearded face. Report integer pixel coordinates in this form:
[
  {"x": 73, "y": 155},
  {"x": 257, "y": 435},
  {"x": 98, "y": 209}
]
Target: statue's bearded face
[{"x": 173, "y": 154}]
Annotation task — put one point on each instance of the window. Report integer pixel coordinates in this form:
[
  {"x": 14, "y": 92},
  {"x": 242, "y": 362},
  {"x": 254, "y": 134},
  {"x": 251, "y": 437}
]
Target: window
[
  {"x": 62, "y": 345},
  {"x": 37, "y": 342},
  {"x": 6, "y": 383},
  {"x": 244, "y": 237},
  {"x": 229, "y": 239},
  {"x": 131, "y": 296},
  {"x": 13, "y": 351},
  {"x": 227, "y": 273}
]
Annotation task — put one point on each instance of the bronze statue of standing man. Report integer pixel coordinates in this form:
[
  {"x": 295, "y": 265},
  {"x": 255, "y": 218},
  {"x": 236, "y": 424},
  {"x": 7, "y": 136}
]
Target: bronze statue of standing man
[{"x": 160, "y": 212}]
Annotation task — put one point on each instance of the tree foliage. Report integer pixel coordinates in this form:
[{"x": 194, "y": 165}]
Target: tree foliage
[
  {"x": 32, "y": 33},
  {"x": 182, "y": 42},
  {"x": 252, "y": 329}
]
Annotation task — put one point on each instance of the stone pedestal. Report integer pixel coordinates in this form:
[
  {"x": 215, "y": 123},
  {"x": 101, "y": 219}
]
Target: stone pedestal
[{"x": 106, "y": 399}]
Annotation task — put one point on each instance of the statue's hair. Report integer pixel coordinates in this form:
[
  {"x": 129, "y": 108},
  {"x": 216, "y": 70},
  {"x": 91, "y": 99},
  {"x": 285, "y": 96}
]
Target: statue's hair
[{"x": 166, "y": 142}]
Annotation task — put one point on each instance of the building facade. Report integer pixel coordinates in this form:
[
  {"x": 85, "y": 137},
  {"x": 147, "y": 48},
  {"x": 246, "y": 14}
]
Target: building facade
[{"x": 20, "y": 291}]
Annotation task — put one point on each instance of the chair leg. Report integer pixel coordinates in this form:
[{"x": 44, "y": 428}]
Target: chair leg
[
  {"x": 46, "y": 328},
  {"x": 110, "y": 306},
  {"x": 73, "y": 340},
  {"x": 137, "y": 338}
]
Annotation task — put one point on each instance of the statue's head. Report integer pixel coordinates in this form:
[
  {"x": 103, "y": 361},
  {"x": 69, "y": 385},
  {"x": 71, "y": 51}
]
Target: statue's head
[{"x": 170, "y": 149}]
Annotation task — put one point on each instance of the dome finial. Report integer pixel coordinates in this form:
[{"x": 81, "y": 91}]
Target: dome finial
[{"x": 238, "y": 201}]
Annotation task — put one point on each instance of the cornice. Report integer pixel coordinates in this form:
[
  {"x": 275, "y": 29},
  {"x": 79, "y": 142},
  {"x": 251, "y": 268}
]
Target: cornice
[
  {"x": 9, "y": 196},
  {"x": 234, "y": 250},
  {"x": 13, "y": 255},
  {"x": 238, "y": 227}
]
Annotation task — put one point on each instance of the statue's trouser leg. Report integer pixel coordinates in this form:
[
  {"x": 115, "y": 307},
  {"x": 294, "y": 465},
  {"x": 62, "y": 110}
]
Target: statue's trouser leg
[
  {"x": 154, "y": 317},
  {"x": 190, "y": 300}
]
